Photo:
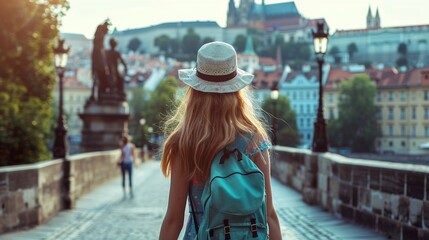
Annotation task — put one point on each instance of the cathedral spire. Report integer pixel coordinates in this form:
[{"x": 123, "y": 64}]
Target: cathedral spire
[
  {"x": 377, "y": 23},
  {"x": 231, "y": 17},
  {"x": 369, "y": 19}
]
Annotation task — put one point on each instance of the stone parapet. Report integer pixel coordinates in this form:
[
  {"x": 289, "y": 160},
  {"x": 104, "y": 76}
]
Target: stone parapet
[
  {"x": 392, "y": 198},
  {"x": 32, "y": 194}
]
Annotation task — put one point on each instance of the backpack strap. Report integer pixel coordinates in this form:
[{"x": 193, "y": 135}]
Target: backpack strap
[{"x": 193, "y": 209}]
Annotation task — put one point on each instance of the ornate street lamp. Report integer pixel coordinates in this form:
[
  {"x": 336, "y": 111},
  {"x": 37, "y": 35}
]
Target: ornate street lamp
[
  {"x": 60, "y": 61},
  {"x": 274, "y": 97},
  {"x": 320, "y": 40}
]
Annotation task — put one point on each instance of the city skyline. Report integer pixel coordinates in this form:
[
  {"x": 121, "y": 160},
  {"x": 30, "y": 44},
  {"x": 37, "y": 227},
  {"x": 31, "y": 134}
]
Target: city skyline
[{"x": 128, "y": 14}]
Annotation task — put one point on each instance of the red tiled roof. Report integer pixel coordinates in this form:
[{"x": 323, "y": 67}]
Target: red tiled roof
[
  {"x": 308, "y": 75},
  {"x": 267, "y": 61},
  {"x": 336, "y": 76},
  {"x": 385, "y": 78},
  {"x": 266, "y": 80},
  {"x": 70, "y": 82}
]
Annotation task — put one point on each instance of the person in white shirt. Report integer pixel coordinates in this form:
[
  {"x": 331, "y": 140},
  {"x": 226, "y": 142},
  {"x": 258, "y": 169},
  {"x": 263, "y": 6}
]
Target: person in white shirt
[{"x": 128, "y": 156}]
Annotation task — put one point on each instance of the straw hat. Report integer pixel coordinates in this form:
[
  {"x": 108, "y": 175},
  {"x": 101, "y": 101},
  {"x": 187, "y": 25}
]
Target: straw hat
[{"x": 216, "y": 70}]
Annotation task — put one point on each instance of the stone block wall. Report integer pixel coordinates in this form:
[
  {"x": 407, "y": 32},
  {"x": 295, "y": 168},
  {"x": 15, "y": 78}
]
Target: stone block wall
[
  {"x": 392, "y": 198},
  {"x": 90, "y": 170},
  {"x": 29, "y": 194},
  {"x": 32, "y": 194}
]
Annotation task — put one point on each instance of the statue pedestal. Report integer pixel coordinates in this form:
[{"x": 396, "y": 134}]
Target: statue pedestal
[{"x": 104, "y": 123}]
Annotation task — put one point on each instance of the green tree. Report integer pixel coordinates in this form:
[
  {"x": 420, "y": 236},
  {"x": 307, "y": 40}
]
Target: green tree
[
  {"x": 240, "y": 43},
  {"x": 295, "y": 52},
  {"x": 175, "y": 45},
  {"x": 163, "y": 42},
  {"x": 27, "y": 76},
  {"x": 357, "y": 125},
  {"x": 334, "y": 52},
  {"x": 191, "y": 43},
  {"x": 134, "y": 44},
  {"x": 138, "y": 103},
  {"x": 160, "y": 104},
  {"x": 207, "y": 40},
  {"x": 352, "y": 49},
  {"x": 287, "y": 134},
  {"x": 402, "y": 61},
  {"x": 402, "y": 49}
]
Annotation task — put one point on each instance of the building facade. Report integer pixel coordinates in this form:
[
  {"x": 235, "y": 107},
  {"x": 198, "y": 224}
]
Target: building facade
[
  {"x": 75, "y": 94},
  {"x": 175, "y": 30},
  {"x": 302, "y": 89},
  {"x": 376, "y": 44},
  {"x": 402, "y": 102}
]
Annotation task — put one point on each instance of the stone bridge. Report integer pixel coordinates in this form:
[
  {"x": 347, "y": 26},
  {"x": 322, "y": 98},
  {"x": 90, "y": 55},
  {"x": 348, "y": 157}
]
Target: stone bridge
[{"x": 317, "y": 196}]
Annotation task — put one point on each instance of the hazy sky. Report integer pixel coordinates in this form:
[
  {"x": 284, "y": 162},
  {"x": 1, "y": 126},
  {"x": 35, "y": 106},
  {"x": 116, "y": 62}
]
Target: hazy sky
[{"x": 84, "y": 15}]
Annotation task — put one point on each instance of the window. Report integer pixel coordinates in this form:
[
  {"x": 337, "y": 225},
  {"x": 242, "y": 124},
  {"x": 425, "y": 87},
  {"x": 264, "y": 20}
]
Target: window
[
  {"x": 403, "y": 131},
  {"x": 390, "y": 114},
  {"x": 378, "y": 97},
  {"x": 402, "y": 113},
  {"x": 403, "y": 144},
  {"x": 315, "y": 95},
  {"x": 390, "y": 144},
  {"x": 403, "y": 96},
  {"x": 308, "y": 136},
  {"x": 331, "y": 98},
  {"x": 331, "y": 113},
  {"x": 413, "y": 113},
  {"x": 390, "y": 96},
  {"x": 426, "y": 112},
  {"x": 390, "y": 130},
  {"x": 301, "y": 122},
  {"x": 379, "y": 113},
  {"x": 308, "y": 95},
  {"x": 414, "y": 132},
  {"x": 426, "y": 131},
  {"x": 301, "y": 108},
  {"x": 308, "y": 122},
  {"x": 294, "y": 95},
  {"x": 426, "y": 95}
]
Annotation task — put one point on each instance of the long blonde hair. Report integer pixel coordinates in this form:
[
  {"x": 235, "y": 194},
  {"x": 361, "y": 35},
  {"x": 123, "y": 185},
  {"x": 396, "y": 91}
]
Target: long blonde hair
[{"x": 202, "y": 125}]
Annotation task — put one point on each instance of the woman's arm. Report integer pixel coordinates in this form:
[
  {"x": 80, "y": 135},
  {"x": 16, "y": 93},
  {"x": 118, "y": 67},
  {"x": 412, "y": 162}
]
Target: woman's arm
[
  {"x": 133, "y": 149},
  {"x": 173, "y": 220},
  {"x": 262, "y": 160}
]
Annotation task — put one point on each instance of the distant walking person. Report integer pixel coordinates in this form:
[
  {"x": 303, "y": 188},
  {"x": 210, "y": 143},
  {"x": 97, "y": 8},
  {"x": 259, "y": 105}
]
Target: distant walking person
[
  {"x": 216, "y": 153},
  {"x": 128, "y": 156}
]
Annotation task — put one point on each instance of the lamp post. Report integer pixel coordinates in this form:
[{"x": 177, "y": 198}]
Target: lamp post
[
  {"x": 142, "y": 123},
  {"x": 60, "y": 61},
  {"x": 274, "y": 97},
  {"x": 320, "y": 40}
]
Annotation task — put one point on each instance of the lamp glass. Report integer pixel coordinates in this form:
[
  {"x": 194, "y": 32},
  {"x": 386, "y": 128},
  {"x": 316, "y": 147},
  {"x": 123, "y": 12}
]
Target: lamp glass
[
  {"x": 274, "y": 94},
  {"x": 320, "y": 45},
  {"x": 61, "y": 60},
  {"x": 142, "y": 121}
]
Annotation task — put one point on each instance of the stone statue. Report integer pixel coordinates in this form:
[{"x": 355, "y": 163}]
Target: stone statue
[
  {"x": 100, "y": 70},
  {"x": 113, "y": 60}
]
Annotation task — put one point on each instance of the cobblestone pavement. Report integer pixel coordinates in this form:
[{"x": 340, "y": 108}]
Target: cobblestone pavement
[{"x": 107, "y": 214}]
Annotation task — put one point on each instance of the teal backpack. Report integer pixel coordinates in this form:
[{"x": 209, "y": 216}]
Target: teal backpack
[{"x": 234, "y": 202}]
